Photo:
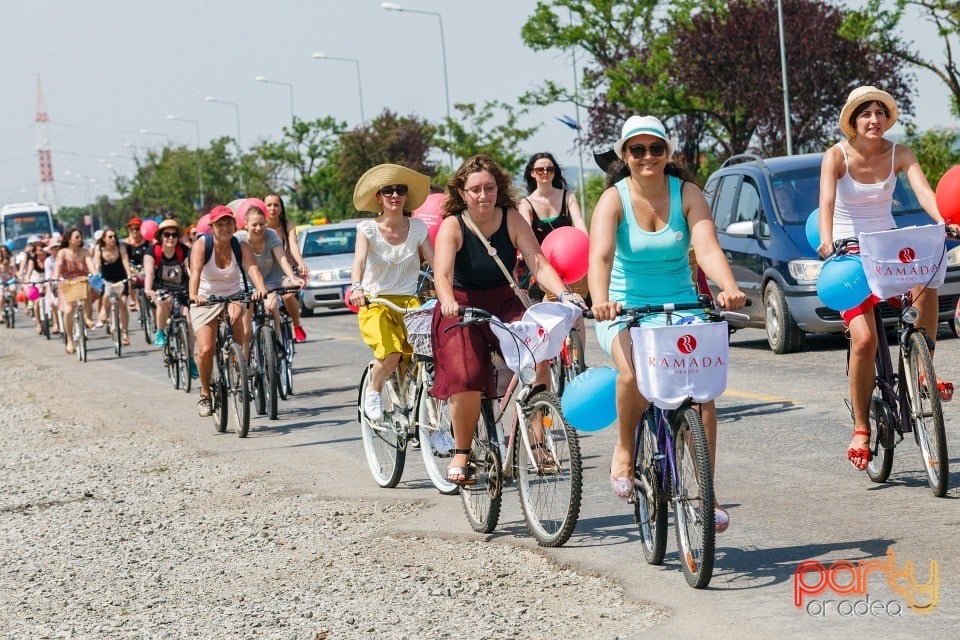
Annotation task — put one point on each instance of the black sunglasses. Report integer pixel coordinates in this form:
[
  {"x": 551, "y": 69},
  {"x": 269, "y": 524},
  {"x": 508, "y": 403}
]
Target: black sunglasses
[
  {"x": 399, "y": 189},
  {"x": 170, "y": 235},
  {"x": 639, "y": 151}
]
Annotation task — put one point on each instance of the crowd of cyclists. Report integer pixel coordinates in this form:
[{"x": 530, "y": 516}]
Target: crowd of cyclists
[{"x": 486, "y": 254}]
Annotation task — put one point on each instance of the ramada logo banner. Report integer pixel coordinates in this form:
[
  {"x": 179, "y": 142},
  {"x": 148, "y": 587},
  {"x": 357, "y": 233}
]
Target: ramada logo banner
[
  {"x": 897, "y": 260},
  {"x": 687, "y": 344},
  {"x": 907, "y": 255}
]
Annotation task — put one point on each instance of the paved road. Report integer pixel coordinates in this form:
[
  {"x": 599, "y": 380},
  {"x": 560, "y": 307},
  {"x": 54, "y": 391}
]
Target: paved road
[{"x": 782, "y": 474}]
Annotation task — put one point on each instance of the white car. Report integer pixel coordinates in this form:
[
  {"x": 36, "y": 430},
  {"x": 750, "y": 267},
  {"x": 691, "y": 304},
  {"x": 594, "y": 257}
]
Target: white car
[{"x": 328, "y": 253}]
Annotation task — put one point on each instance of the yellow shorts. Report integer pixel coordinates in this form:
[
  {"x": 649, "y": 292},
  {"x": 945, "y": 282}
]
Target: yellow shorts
[{"x": 382, "y": 329}]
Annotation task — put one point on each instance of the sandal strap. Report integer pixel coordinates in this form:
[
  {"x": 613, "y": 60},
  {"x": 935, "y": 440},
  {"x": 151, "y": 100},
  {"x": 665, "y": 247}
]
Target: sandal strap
[
  {"x": 861, "y": 432},
  {"x": 460, "y": 452}
]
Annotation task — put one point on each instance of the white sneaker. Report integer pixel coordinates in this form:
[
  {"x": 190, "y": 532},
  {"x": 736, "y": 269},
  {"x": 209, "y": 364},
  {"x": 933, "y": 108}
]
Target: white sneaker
[{"x": 373, "y": 406}]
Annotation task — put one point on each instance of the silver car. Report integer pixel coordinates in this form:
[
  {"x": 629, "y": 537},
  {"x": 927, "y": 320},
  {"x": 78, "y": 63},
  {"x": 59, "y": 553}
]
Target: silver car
[{"x": 328, "y": 253}]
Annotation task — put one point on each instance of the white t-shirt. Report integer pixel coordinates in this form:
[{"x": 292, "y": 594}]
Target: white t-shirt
[{"x": 392, "y": 270}]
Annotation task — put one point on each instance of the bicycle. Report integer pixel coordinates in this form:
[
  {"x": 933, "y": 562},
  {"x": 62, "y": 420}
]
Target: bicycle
[
  {"x": 408, "y": 409},
  {"x": 10, "y": 303},
  {"x": 264, "y": 359},
  {"x": 230, "y": 385},
  {"x": 539, "y": 451},
  {"x": 285, "y": 353},
  {"x": 147, "y": 317},
  {"x": 176, "y": 353},
  {"x": 671, "y": 457},
  {"x": 907, "y": 400},
  {"x": 570, "y": 363},
  {"x": 77, "y": 291},
  {"x": 46, "y": 313},
  {"x": 113, "y": 291}
]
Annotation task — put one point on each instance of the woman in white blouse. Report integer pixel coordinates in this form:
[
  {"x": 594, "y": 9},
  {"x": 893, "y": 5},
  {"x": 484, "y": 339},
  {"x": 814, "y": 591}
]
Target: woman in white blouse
[{"x": 389, "y": 251}]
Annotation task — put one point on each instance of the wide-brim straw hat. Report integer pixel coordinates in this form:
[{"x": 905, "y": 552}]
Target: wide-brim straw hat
[
  {"x": 384, "y": 175},
  {"x": 859, "y": 96},
  {"x": 639, "y": 125},
  {"x": 168, "y": 224}
]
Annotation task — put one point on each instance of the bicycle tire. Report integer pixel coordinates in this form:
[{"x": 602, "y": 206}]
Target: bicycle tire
[
  {"x": 270, "y": 383},
  {"x": 482, "y": 500},
  {"x": 239, "y": 393},
  {"x": 45, "y": 318},
  {"x": 290, "y": 350},
  {"x": 218, "y": 392},
  {"x": 435, "y": 428},
  {"x": 881, "y": 440},
  {"x": 927, "y": 412},
  {"x": 650, "y": 499},
  {"x": 693, "y": 498},
  {"x": 183, "y": 355},
  {"x": 384, "y": 449},
  {"x": 549, "y": 495},
  {"x": 115, "y": 321},
  {"x": 80, "y": 329},
  {"x": 147, "y": 320},
  {"x": 256, "y": 364},
  {"x": 170, "y": 352}
]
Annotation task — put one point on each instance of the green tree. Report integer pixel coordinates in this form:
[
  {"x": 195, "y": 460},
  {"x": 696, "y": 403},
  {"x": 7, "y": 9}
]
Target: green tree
[
  {"x": 478, "y": 130},
  {"x": 937, "y": 150}
]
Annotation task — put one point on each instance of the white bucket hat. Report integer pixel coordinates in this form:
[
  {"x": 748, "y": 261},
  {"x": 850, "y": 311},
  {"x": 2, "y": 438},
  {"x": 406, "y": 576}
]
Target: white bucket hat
[{"x": 639, "y": 125}]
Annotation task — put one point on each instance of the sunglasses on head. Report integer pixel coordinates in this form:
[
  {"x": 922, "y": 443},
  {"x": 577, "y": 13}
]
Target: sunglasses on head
[
  {"x": 543, "y": 171},
  {"x": 399, "y": 189},
  {"x": 639, "y": 151}
]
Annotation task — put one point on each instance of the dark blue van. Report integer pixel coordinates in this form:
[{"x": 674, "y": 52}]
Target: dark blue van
[{"x": 760, "y": 207}]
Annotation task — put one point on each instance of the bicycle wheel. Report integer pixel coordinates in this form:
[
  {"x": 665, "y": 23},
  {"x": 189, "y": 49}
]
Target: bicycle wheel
[
  {"x": 650, "y": 499},
  {"x": 256, "y": 367},
  {"x": 881, "y": 440},
  {"x": 927, "y": 414},
  {"x": 80, "y": 332},
  {"x": 218, "y": 391},
  {"x": 286, "y": 366},
  {"x": 268, "y": 351},
  {"x": 170, "y": 356},
  {"x": 436, "y": 439},
  {"x": 239, "y": 392},
  {"x": 482, "y": 500},
  {"x": 384, "y": 448},
  {"x": 549, "y": 471},
  {"x": 115, "y": 322},
  {"x": 147, "y": 319},
  {"x": 182, "y": 355},
  {"x": 45, "y": 319},
  {"x": 693, "y": 498}
]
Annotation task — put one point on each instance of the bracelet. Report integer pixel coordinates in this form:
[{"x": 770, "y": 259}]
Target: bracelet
[{"x": 357, "y": 286}]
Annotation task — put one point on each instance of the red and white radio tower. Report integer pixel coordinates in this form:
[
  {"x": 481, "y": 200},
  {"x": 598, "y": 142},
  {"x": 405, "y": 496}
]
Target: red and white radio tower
[{"x": 47, "y": 194}]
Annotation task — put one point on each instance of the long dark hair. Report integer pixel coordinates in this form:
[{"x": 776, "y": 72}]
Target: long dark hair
[
  {"x": 283, "y": 215},
  {"x": 454, "y": 202},
  {"x": 65, "y": 241},
  {"x": 558, "y": 181},
  {"x": 618, "y": 170}
]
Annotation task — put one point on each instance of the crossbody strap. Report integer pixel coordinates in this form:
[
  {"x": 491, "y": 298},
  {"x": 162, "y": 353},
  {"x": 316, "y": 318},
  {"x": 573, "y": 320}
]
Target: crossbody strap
[{"x": 524, "y": 298}]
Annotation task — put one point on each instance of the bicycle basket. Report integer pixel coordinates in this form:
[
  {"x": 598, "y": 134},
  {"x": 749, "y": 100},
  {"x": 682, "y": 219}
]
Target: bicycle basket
[
  {"x": 895, "y": 261},
  {"x": 682, "y": 361},
  {"x": 74, "y": 290},
  {"x": 418, "y": 324}
]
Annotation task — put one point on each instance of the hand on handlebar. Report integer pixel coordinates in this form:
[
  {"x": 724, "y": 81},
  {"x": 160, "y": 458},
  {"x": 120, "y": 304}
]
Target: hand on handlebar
[
  {"x": 199, "y": 299},
  {"x": 259, "y": 294},
  {"x": 826, "y": 249},
  {"x": 358, "y": 298},
  {"x": 732, "y": 300},
  {"x": 606, "y": 310},
  {"x": 449, "y": 309}
]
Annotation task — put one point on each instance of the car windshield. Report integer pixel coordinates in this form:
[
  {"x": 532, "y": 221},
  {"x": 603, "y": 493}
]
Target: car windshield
[
  {"x": 798, "y": 193},
  {"x": 329, "y": 242}
]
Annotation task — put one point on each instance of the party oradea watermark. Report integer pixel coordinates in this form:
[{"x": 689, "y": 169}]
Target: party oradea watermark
[{"x": 814, "y": 583}]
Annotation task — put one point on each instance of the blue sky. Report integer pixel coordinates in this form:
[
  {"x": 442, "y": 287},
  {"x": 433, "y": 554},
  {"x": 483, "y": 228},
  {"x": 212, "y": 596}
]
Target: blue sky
[{"x": 111, "y": 68}]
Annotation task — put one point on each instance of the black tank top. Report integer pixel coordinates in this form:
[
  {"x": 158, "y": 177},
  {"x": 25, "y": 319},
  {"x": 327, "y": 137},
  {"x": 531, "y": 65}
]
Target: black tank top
[
  {"x": 474, "y": 268},
  {"x": 542, "y": 228},
  {"x": 112, "y": 271},
  {"x": 135, "y": 254}
]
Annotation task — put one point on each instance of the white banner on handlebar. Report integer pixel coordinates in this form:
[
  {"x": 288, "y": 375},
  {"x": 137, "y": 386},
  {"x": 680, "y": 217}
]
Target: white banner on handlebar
[
  {"x": 537, "y": 336},
  {"x": 895, "y": 261}
]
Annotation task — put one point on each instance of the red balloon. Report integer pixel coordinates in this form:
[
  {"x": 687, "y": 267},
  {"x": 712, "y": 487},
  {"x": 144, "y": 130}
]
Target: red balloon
[
  {"x": 21, "y": 296},
  {"x": 429, "y": 212},
  {"x": 148, "y": 228},
  {"x": 948, "y": 196},
  {"x": 203, "y": 224},
  {"x": 568, "y": 251}
]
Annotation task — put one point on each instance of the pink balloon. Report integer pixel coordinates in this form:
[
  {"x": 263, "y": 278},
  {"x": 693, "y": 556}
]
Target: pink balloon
[
  {"x": 245, "y": 206},
  {"x": 431, "y": 215},
  {"x": 33, "y": 293},
  {"x": 568, "y": 251},
  {"x": 203, "y": 224},
  {"x": 148, "y": 228}
]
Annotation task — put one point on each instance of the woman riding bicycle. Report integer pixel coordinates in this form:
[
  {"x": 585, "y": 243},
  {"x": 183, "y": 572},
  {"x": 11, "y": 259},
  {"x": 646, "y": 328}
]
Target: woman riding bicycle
[
  {"x": 32, "y": 270},
  {"x": 166, "y": 268},
  {"x": 73, "y": 261},
  {"x": 466, "y": 273},
  {"x": 640, "y": 235},
  {"x": 218, "y": 272},
  {"x": 111, "y": 262},
  {"x": 857, "y": 181},
  {"x": 386, "y": 263},
  {"x": 277, "y": 220}
]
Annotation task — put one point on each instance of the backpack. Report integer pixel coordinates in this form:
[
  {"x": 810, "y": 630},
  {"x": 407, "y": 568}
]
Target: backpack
[
  {"x": 237, "y": 255},
  {"x": 158, "y": 254}
]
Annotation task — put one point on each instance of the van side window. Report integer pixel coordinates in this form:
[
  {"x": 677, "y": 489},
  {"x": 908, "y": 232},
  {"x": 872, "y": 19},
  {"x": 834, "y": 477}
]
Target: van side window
[
  {"x": 723, "y": 209},
  {"x": 748, "y": 205}
]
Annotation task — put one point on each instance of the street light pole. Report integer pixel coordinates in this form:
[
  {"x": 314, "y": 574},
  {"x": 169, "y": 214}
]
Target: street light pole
[
  {"x": 786, "y": 89},
  {"x": 289, "y": 85},
  {"x": 391, "y": 6},
  {"x": 322, "y": 56},
  {"x": 196, "y": 123},
  {"x": 576, "y": 106},
  {"x": 236, "y": 106}
]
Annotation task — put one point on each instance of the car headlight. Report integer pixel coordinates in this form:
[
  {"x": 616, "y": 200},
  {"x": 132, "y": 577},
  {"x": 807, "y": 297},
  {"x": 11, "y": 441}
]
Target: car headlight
[
  {"x": 805, "y": 271},
  {"x": 328, "y": 275},
  {"x": 953, "y": 257}
]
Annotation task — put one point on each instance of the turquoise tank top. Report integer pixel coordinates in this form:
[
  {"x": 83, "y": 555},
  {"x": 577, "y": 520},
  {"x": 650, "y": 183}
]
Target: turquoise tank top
[{"x": 652, "y": 267}]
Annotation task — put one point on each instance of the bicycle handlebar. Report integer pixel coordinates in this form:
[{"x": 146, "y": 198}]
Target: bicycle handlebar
[
  {"x": 392, "y": 306},
  {"x": 703, "y": 303}
]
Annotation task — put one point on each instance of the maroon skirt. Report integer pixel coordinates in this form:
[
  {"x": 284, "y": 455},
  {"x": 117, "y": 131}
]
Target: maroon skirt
[{"x": 462, "y": 354}]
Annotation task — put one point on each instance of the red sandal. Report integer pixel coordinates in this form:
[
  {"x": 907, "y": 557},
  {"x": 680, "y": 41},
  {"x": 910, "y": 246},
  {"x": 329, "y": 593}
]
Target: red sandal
[
  {"x": 944, "y": 388},
  {"x": 859, "y": 457}
]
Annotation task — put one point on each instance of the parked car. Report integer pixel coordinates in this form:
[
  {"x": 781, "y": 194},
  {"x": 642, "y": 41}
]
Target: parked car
[
  {"x": 328, "y": 253},
  {"x": 760, "y": 208}
]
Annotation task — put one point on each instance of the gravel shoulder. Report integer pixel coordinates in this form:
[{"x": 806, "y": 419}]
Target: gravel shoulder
[{"x": 117, "y": 521}]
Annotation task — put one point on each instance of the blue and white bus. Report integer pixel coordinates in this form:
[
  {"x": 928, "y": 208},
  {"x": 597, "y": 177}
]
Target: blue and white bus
[{"x": 19, "y": 221}]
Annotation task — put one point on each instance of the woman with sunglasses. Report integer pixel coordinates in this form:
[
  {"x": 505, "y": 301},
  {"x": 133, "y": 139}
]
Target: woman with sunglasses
[
  {"x": 386, "y": 263},
  {"x": 277, "y": 220},
  {"x": 111, "y": 262},
  {"x": 640, "y": 236},
  {"x": 73, "y": 261},
  {"x": 466, "y": 273},
  {"x": 166, "y": 268}
]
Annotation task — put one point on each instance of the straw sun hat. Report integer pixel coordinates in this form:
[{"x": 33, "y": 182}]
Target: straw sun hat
[
  {"x": 384, "y": 175},
  {"x": 859, "y": 96}
]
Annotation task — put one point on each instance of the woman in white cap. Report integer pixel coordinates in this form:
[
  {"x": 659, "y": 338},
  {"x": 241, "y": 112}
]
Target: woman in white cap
[
  {"x": 857, "y": 181},
  {"x": 386, "y": 263},
  {"x": 640, "y": 236}
]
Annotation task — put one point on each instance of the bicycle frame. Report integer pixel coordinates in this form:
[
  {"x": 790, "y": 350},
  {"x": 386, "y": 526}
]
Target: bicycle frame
[{"x": 891, "y": 386}]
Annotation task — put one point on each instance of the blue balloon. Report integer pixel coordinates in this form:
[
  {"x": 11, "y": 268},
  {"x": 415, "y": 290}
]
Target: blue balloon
[
  {"x": 589, "y": 401},
  {"x": 96, "y": 282},
  {"x": 842, "y": 283},
  {"x": 813, "y": 228}
]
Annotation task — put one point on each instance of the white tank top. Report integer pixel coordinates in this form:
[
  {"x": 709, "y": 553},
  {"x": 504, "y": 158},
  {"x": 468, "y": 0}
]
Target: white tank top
[
  {"x": 863, "y": 207},
  {"x": 215, "y": 281}
]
